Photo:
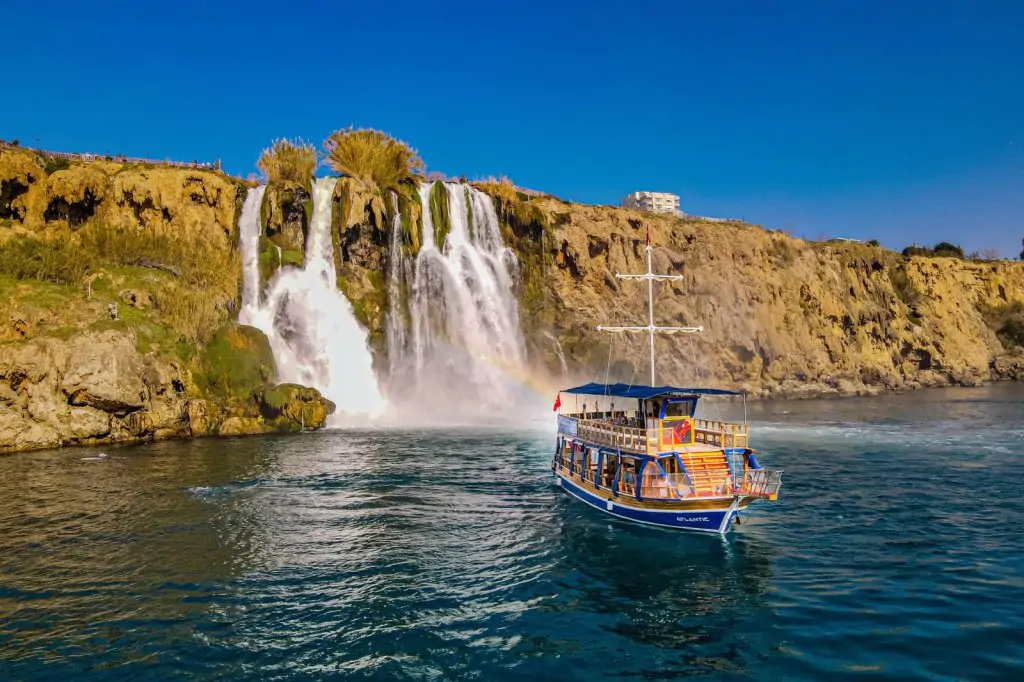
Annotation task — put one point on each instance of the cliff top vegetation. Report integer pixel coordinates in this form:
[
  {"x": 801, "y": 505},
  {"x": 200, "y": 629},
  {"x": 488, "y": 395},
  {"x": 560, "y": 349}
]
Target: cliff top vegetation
[
  {"x": 288, "y": 162},
  {"x": 373, "y": 157}
]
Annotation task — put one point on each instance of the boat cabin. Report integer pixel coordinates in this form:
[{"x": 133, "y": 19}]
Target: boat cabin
[{"x": 646, "y": 442}]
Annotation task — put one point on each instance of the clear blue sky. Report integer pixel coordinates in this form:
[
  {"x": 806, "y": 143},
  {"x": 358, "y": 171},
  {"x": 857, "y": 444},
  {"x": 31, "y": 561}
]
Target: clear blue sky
[{"x": 902, "y": 121}]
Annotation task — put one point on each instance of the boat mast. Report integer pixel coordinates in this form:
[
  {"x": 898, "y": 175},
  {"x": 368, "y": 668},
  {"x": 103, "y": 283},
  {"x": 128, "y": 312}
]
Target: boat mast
[{"x": 651, "y": 328}]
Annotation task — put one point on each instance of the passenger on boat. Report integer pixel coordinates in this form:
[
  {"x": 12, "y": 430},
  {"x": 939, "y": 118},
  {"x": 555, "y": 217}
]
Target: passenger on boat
[{"x": 628, "y": 482}]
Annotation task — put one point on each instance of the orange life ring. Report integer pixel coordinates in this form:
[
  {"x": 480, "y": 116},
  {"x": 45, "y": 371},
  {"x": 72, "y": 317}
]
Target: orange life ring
[{"x": 680, "y": 430}]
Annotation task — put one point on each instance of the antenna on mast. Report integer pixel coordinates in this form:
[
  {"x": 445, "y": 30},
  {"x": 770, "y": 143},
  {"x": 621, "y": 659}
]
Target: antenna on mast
[{"x": 651, "y": 328}]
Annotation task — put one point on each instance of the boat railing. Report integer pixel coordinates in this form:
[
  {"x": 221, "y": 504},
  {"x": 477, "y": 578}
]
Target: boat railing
[
  {"x": 642, "y": 440},
  {"x": 721, "y": 434},
  {"x": 613, "y": 435},
  {"x": 762, "y": 483},
  {"x": 692, "y": 485}
]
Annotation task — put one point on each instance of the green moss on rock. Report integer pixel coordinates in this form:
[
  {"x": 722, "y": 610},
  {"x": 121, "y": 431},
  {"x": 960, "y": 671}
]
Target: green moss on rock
[
  {"x": 439, "y": 213},
  {"x": 290, "y": 407},
  {"x": 237, "y": 361},
  {"x": 285, "y": 215}
]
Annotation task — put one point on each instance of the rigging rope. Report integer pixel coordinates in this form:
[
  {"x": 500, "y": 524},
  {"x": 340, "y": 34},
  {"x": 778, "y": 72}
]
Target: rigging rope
[{"x": 608, "y": 367}]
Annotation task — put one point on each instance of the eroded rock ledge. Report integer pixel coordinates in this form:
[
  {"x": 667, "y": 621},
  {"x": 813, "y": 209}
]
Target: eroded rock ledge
[{"x": 98, "y": 388}]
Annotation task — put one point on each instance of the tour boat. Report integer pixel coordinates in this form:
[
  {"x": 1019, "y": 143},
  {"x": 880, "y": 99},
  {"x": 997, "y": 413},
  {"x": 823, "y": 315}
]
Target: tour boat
[{"x": 641, "y": 454}]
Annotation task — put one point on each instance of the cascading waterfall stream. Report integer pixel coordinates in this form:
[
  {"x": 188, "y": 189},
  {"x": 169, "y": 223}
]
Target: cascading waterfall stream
[
  {"x": 249, "y": 244},
  {"x": 465, "y": 356},
  {"x": 394, "y": 322},
  {"x": 312, "y": 330}
]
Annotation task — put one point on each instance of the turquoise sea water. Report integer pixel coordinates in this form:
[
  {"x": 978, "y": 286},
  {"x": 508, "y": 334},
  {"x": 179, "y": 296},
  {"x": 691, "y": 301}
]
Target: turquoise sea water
[{"x": 896, "y": 552}]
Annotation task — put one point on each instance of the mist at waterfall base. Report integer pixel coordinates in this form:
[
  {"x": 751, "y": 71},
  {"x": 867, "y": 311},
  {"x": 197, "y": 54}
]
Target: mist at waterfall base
[
  {"x": 464, "y": 358},
  {"x": 312, "y": 329},
  {"x": 456, "y": 353}
]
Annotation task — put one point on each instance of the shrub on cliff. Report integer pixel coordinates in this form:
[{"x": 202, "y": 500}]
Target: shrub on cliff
[
  {"x": 287, "y": 162},
  {"x": 940, "y": 250},
  {"x": 373, "y": 157}
]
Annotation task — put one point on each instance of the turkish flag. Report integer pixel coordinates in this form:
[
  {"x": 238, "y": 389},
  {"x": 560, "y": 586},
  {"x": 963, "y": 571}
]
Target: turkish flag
[{"x": 558, "y": 403}]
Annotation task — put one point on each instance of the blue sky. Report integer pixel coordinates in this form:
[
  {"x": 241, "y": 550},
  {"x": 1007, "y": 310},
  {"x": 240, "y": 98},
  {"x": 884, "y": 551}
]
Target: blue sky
[{"x": 901, "y": 121}]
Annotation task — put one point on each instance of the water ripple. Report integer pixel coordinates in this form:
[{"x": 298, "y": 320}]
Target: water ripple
[{"x": 894, "y": 553}]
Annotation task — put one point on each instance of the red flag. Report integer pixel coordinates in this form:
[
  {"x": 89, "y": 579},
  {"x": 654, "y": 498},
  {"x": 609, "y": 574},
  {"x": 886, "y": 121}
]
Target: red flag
[
  {"x": 648, "y": 235},
  {"x": 558, "y": 403}
]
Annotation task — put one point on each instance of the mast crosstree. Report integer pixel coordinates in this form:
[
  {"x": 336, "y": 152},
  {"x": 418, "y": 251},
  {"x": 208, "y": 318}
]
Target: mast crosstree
[{"x": 651, "y": 328}]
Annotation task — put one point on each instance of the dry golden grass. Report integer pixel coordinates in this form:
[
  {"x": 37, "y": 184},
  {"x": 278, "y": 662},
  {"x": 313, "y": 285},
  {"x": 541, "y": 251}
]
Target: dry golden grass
[
  {"x": 287, "y": 161},
  {"x": 373, "y": 157},
  {"x": 502, "y": 188},
  {"x": 192, "y": 303}
]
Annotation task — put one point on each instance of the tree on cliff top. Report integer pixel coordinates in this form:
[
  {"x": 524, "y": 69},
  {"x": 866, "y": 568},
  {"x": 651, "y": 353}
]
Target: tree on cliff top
[
  {"x": 372, "y": 156},
  {"x": 286, "y": 161}
]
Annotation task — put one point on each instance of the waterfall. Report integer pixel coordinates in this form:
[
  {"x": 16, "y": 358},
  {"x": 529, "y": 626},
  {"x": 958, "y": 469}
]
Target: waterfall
[
  {"x": 312, "y": 330},
  {"x": 249, "y": 244},
  {"x": 465, "y": 355},
  {"x": 559, "y": 353},
  {"x": 394, "y": 323}
]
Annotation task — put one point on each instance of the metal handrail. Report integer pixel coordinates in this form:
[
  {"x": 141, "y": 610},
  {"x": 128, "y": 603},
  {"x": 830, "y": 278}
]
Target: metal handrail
[{"x": 762, "y": 482}]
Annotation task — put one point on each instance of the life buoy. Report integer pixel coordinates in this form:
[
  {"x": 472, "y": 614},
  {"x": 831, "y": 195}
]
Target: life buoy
[{"x": 680, "y": 430}]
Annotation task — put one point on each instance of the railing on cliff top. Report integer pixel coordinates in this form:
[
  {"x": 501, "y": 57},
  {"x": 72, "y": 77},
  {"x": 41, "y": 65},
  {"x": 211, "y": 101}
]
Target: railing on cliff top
[{"x": 119, "y": 158}]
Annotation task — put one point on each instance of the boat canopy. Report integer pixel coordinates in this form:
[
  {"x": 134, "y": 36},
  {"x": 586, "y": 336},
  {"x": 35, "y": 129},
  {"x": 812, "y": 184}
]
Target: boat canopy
[{"x": 642, "y": 392}]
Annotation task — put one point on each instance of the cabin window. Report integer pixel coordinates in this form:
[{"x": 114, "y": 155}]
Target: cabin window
[{"x": 681, "y": 408}]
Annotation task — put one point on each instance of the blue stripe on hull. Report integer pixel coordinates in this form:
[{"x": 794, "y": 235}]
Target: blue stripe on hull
[{"x": 707, "y": 521}]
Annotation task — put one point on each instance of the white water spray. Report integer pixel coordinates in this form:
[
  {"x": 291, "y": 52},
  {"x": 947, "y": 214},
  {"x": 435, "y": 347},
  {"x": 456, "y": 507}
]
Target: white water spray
[
  {"x": 465, "y": 356},
  {"x": 249, "y": 243},
  {"x": 559, "y": 353},
  {"x": 312, "y": 330},
  {"x": 394, "y": 321}
]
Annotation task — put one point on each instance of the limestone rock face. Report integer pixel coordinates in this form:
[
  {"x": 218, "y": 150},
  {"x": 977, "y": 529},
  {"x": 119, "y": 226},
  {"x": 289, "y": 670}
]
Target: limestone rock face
[
  {"x": 104, "y": 371},
  {"x": 162, "y": 198},
  {"x": 94, "y": 387},
  {"x": 1006, "y": 367},
  {"x": 782, "y": 317},
  {"x": 98, "y": 388},
  {"x": 285, "y": 216},
  {"x": 241, "y": 426}
]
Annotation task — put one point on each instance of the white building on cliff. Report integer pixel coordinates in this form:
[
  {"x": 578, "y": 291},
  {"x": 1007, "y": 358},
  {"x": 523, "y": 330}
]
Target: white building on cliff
[{"x": 658, "y": 202}]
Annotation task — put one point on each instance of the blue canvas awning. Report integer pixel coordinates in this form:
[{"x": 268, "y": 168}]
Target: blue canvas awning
[{"x": 642, "y": 392}]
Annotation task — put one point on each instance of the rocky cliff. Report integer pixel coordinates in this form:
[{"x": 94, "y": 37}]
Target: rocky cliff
[
  {"x": 119, "y": 287},
  {"x": 118, "y": 290},
  {"x": 783, "y": 317}
]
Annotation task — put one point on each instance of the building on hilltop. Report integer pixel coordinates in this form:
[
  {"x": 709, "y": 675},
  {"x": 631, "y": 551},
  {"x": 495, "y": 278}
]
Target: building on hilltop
[{"x": 658, "y": 202}]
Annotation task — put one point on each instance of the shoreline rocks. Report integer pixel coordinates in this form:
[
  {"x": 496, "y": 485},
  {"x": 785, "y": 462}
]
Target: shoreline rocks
[{"x": 96, "y": 388}]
